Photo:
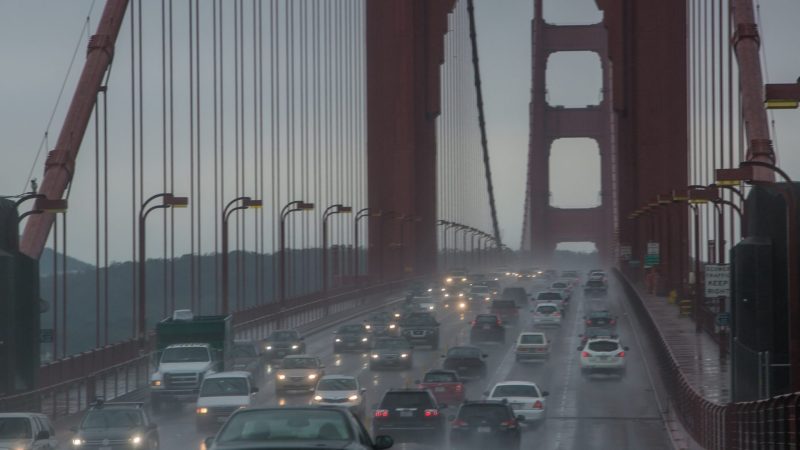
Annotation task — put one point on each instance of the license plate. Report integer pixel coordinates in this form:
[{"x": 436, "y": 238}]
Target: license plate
[
  {"x": 603, "y": 358},
  {"x": 484, "y": 429},
  {"x": 517, "y": 405},
  {"x": 439, "y": 389},
  {"x": 406, "y": 413},
  {"x": 487, "y": 327}
]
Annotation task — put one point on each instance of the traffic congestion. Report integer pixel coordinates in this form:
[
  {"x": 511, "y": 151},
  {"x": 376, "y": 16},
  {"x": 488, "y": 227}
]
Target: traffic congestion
[{"x": 518, "y": 359}]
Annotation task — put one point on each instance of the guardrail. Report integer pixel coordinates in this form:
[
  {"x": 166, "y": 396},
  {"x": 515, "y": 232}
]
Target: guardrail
[
  {"x": 122, "y": 370},
  {"x": 765, "y": 424}
]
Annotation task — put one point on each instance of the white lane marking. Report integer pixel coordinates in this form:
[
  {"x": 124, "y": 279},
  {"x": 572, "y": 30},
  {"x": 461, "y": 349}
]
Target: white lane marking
[{"x": 562, "y": 410}]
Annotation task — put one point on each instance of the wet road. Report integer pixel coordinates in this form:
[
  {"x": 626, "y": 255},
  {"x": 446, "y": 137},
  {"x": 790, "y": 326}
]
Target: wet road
[{"x": 598, "y": 412}]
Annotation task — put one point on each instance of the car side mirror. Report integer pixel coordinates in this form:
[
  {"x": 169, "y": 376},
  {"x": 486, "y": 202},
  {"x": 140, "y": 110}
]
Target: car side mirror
[
  {"x": 383, "y": 442},
  {"x": 254, "y": 389},
  {"x": 209, "y": 441},
  {"x": 42, "y": 435},
  {"x": 520, "y": 418},
  {"x": 363, "y": 390},
  {"x": 626, "y": 348},
  {"x": 545, "y": 393}
]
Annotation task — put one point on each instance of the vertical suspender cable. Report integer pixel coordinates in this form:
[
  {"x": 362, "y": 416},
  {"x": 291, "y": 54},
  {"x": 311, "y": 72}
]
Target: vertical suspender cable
[
  {"x": 276, "y": 131},
  {"x": 237, "y": 191},
  {"x": 222, "y": 198},
  {"x": 105, "y": 218},
  {"x": 192, "y": 292},
  {"x": 171, "y": 161},
  {"x": 96, "y": 223},
  {"x": 64, "y": 271},
  {"x": 242, "y": 174},
  {"x": 164, "y": 150},
  {"x": 133, "y": 167},
  {"x": 317, "y": 94},
  {"x": 198, "y": 199},
  {"x": 217, "y": 207},
  {"x": 303, "y": 144},
  {"x": 261, "y": 252},
  {"x": 55, "y": 290}
]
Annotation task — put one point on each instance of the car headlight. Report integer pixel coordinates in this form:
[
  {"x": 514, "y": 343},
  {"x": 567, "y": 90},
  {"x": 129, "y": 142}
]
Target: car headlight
[
  {"x": 430, "y": 308},
  {"x": 202, "y": 411},
  {"x": 392, "y": 326},
  {"x": 430, "y": 290},
  {"x": 338, "y": 340},
  {"x": 375, "y": 356},
  {"x": 462, "y": 305},
  {"x": 77, "y": 442},
  {"x": 461, "y": 294},
  {"x": 136, "y": 440},
  {"x": 463, "y": 279},
  {"x": 353, "y": 398},
  {"x": 446, "y": 295},
  {"x": 449, "y": 280},
  {"x": 281, "y": 376},
  {"x": 369, "y": 327},
  {"x": 364, "y": 339},
  {"x": 295, "y": 347},
  {"x": 269, "y": 347},
  {"x": 312, "y": 376},
  {"x": 404, "y": 355},
  {"x": 317, "y": 398},
  {"x": 397, "y": 314},
  {"x": 155, "y": 383}
]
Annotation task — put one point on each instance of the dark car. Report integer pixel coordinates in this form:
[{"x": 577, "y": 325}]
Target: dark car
[
  {"x": 352, "y": 337},
  {"x": 518, "y": 294},
  {"x": 506, "y": 310},
  {"x": 485, "y": 424},
  {"x": 487, "y": 327},
  {"x": 281, "y": 343},
  {"x": 247, "y": 356},
  {"x": 410, "y": 415},
  {"x": 466, "y": 360},
  {"x": 116, "y": 425},
  {"x": 493, "y": 285},
  {"x": 479, "y": 295},
  {"x": 595, "y": 288},
  {"x": 383, "y": 323},
  {"x": 597, "y": 332},
  {"x": 391, "y": 352},
  {"x": 420, "y": 328},
  {"x": 291, "y": 428},
  {"x": 600, "y": 318}
]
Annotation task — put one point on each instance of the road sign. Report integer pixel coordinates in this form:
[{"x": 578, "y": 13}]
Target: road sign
[
  {"x": 651, "y": 260},
  {"x": 718, "y": 280},
  {"x": 625, "y": 252},
  {"x": 723, "y": 319},
  {"x": 46, "y": 335},
  {"x": 653, "y": 248}
]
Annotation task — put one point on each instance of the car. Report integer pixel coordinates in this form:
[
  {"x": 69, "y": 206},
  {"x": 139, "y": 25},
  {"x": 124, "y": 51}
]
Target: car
[
  {"x": 527, "y": 274},
  {"x": 382, "y": 323},
  {"x": 424, "y": 303},
  {"x": 595, "y": 288},
  {"x": 572, "y": 275},
  {"x": 445, "y": 386},
  {"x": 494, "y": 287},
  {"x": 485, "y": 424},
  {"x": 410, "y": 415},
  {"x": 506, "y": 310},
  {"x": 352, "y": 337},
  {"x": 295, "y": 428},
  {"x": 597, "y": 332},
  {"x": 604, "y": 355},
  {"x": 420, "y": 328},
  {"x": 116, "y": 425},
  {"x": 600, "y": 318},
  {"x": 550, "y": 274},
  {"x": 283, "y": 342},
  {"x": 247, "y": 356},
  {"x": 391, "y": 352},
  {"x": 220, "y": 395},
  {"x": 564, "y": 287},
  {"x": 298, "y": 372},
  {"x": 516, "y": 293},
  {"x": 33, "y": 431},
  {"x": 456, "y": 277},
  {"x": 487, "y": 327},
  {"x": 532, "y": 345},
  {"x": 343, "y": 391},
  {"x": 552, "y": 297},
  {"x": 455, "y": 297},
  {"x": 467, "y": 361},
  {"x": 524, "y": 397},
  {"x": 546, "y": 314},
  {"x": 478, "y": 295}
]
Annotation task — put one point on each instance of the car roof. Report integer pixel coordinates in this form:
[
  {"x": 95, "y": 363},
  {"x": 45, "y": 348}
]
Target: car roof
[
  {"x": 230, "y": 374},
  {"x": 472, "y": 347},
  {"x": 300, "y": 357},
  {"x": 189, "y": 344},
  {"x": 442, "y": 371},
  {"x": 26, "y": 415},
  {"x": 516, "y": 383},
  {"x": 338, "y": 377},
  {"x": 528, "y": 333},
  {"x": 547, "y": 304},
  {"x": 595, "y": 339}
]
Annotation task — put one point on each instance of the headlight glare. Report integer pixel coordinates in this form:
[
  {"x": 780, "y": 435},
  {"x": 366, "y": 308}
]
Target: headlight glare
[
  {"x": 318, "y": 398},
  {"x": 77, "y": 441},
  {"x": 375, "y": 356},
  {"x": 353, "y": 398},
  {"x": 136, "y": 440},
  {"x": 269, "y": 347},
  {"x": 404, "y": 355},
  {"x": 295, "y": 347},
  {"x": 312, "y": 376},
  {"x": 281, "y": 376},
  {"x": 202, "y": 410},
  {"x": 364, "y": 339}
]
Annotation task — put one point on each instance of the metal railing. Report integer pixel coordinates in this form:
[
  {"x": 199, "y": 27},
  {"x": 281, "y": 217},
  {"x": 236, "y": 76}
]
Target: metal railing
[
  {"x": 765, "y": 424},
  {"x": 122, "y": 370}
]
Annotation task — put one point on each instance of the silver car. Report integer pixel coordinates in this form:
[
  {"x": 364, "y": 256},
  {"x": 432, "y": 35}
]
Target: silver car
[
  {"x": 298, "y": 372},
  {"x": 27, "y": 430},
  {"x": 343, "y": 391}
]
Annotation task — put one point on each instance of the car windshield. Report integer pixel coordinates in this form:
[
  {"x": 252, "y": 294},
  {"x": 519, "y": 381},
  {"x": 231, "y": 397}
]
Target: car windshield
[
  {"x": 594, "y": 283},
  {"x": 599, "y": 314},
  {"x": 300, "y": 363},
  {"x": 464, "y": 352},
  {"x": 419, "y": 319},
  {"x": 286, "y": 425},
  {"x": 501, "y": 304},
  {"x": 244, "y": 351},
  {"x": 219, "y": 387},
  {"x": 112, "y": 418},
  {"x": 549, "y": 296},
  {"x": 546, "y": 309},
  {"x": 185, "y": 354},
  {"x": 380, "y": 317},
  {"x": 283, "y": 336},
  {"x": 492, "y": 413},
  {"x": 410, "y": 399},
  {"x": 440, "y": 377},
  {"x": 559, "y": 286},
  {"x": 515, "y": 390},
  {"x": 349, "y": 329},
  {"x": 486, "y": 319},
  {"x": 337, "y": 384},
  {"x": 531, "y": 339},
  {"x": 479, "y": 290},
  {"x": 603, "y": 346},
  {"x": 392, "y": 343},
  {"x": 15, "y": 428}
]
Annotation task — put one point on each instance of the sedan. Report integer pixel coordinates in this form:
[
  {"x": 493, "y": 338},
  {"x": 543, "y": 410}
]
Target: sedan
[
  {"x": 532, "y": 346},
  {"x": 524, "y": 397},
  {"x": 352, "y": 337},
  {"x": 343, "y": 391},
  {"x": 466, "y": 360},
  {"x": 487, "y": 327},
  {"x": 291, "y": 428},
  {"x": 298, "y": 372},
  {"x": 391, "y": 352},
  {"x": 445, "y": 386}
]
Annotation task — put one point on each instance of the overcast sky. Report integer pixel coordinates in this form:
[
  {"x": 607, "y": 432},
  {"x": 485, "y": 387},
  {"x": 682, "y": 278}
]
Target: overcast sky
[{"x": 37, "y": 38}]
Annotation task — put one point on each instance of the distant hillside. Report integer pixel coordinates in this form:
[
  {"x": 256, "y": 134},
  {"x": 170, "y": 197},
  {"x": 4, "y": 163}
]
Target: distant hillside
[{"x": 73, "y": 265}]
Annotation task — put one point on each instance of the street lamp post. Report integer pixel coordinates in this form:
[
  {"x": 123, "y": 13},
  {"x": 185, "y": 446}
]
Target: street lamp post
[
  {"x": 362, "y": 213},
  {"x": 329, "y": 211},
  {"x": 246, "y": 203},
  {"x": 294, "y": 206},
  {"x": 168, "y": 201}
]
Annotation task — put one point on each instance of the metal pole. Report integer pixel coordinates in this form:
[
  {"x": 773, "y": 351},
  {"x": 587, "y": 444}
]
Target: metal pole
[
  {"x": 224, "y": 308},
  {"x": 325, "y": 252},
  {"x": 720, "y": 234},
  {"x": 697, "y": 289}
]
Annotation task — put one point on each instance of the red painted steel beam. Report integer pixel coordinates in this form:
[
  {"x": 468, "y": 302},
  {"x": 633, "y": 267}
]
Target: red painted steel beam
[{"x": 60, "y": 163}]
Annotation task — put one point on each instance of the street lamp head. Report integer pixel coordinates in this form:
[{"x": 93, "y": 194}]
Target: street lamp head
[
  {"x": 733, "y": 177},
  {"x": 305, "y": 206},
  {"x": 250, "y": 203},
  {"x": 176, "y": 202},
  {"x": 51, "y": 205},
  {"x": 782, "y": 96},
  {"x": 344, "y": 209}
]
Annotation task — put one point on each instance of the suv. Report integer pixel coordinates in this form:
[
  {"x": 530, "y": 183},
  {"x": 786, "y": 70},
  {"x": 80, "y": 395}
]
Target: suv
[
  {"x": 603, "y": 355},
  {"x": 420, "y": 328},
  {"x": 351, "y": 337},
  {"x": 600, "y": 318},
  {"x": 466, "y": 360},
  {"x": 382, "y": 323},
  {"x": 479, "y": 294},
  {"x": 410, "y": 415},
  {"x": 220, "y": 395},
  {"x": 283, "y": 342},
  {"x": 595, "y": 287},
  {"x": 546, "y": 314},
  {"x": 246, "y": 356},
  {"x": 487, "y": 327},
  {"x": 532, "y": 345},
  {"x": 506, "y": 310},
  {"x": 518, "y": 294},
  {"x": 27, "y": 430},
  {"x": 552, "y": 297},
  {"x": 486, "y": 424},
  {"x": 116, "y": 425}
]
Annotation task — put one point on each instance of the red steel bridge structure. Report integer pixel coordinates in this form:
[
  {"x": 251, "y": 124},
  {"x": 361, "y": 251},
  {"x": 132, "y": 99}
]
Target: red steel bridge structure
[{"x": 370, "y": 108}]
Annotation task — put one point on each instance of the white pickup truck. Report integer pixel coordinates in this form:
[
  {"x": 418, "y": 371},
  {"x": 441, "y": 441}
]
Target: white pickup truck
[{"x": 180, "y": 373}]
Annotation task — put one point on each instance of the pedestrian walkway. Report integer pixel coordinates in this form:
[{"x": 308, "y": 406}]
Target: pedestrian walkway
[{"x": 696, "y": 352}]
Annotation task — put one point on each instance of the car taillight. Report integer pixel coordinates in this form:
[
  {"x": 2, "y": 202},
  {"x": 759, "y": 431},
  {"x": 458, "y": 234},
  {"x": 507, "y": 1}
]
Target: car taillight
[
  {"x": 472, "y": 323},
  {"x": 538, "y": 405},
  {"x": 556, "y": 314},
  {"x": 459, "y": 387},
  {"x": 510, "y": 424},
  {"x": 458, "y": 423},
  {"x": 499, "y": 322},
  {"x": 588, "y": 322},
  {"x": 381, "y": 413},
  {"x": 621, "y": 354},
  {"x": 431, "y": 413},
  {"x": 585, "y": 354},
  {"x": 613, "y": 321}
]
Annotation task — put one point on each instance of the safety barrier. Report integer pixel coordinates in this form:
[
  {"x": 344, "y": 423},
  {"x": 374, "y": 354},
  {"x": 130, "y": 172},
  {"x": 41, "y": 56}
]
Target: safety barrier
[
  {"x": 765, "y": 424},
  {"x": 122, "y": 370}
]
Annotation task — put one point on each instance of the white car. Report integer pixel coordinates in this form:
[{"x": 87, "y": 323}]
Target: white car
[
  {"x": 343, "y": 391},
  {"x": 552, "y": 297},
  {"x": 28, "y": 431},
  {"x": 546, "y": 314},
  {"x": 525, "y": 398},
  {"x": 562, "y": 286},
  {"x": 603, "y": 355},
  {"x": 532, "y": 345},
  {"x": 299, "y": 372},
  {"x": 221, "y": 394}
]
